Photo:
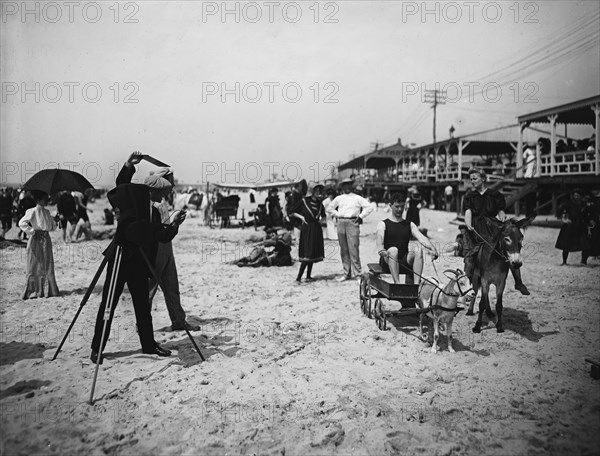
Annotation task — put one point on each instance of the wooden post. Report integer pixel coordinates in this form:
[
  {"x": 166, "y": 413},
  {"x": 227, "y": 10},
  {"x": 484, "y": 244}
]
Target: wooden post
[
  {"x": 519, "y": 163},
  {"x": 552, "y": 119},
  {"x": 596, "y": 110},
  {"x": 460, "y": 151},
  {"x": 538, "y": 160}
]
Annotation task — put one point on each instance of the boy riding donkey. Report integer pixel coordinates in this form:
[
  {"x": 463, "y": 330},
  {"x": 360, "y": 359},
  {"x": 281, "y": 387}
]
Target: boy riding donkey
[{"x": 484, "y": 214}]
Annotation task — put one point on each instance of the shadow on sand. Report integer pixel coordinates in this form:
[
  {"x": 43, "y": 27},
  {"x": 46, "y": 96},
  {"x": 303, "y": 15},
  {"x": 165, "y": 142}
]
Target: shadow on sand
[
  {"x": 12, "y": 352},
  {"x": 23, "y": 387}
]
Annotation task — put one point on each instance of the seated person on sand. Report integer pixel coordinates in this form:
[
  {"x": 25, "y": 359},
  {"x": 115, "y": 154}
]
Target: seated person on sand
[
  {"x": 279, "y": 256},
  {"x": 457, "y": 248},
  {"x": 393, "y": 236}
]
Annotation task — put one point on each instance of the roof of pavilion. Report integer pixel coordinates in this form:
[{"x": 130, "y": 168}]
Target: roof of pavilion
[
  {"x": 576, "y": 112},
  {"x": 488, "y": 142}
]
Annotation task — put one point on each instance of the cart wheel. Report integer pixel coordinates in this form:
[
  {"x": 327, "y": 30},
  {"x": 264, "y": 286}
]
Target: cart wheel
[
  {"x": 369, "y": 303},
  {"x": 378, "y": 314},
  {"x": 362, "y": 294}
]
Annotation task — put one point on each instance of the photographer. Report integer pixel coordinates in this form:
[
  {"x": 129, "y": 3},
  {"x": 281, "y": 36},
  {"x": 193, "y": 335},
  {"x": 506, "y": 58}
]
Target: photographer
[{"x": 139, "y": 230}]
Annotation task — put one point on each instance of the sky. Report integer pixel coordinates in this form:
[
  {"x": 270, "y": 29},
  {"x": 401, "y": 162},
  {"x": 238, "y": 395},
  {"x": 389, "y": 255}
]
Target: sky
[{"x": 243, "y": 92}]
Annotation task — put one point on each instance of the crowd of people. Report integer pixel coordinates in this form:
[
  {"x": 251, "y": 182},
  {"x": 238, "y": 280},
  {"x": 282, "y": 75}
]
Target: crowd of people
[{"x": 146, "y": 226}]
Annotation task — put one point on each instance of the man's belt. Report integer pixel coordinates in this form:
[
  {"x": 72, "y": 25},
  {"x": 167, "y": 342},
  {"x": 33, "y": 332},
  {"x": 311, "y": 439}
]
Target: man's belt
[{"x": 356, "y": 216}]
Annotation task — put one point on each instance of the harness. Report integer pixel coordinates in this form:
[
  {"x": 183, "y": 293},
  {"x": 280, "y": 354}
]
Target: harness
[
  {"x": 502, "y": 255},
  {"x": 440, "y": 291},
  {"x": 436, "y": 285}
]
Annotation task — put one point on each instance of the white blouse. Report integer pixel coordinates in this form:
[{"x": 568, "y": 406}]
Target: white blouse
[{"x": 37, "y": 218}]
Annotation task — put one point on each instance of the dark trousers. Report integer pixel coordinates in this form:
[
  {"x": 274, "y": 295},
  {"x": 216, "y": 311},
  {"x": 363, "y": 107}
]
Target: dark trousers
[
  {"x": 166, "y": 270},
  {"x": 137, "y": 282}
]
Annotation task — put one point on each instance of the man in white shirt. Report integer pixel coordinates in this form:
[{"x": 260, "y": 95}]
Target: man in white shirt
[{"x": 350, "y": 209}]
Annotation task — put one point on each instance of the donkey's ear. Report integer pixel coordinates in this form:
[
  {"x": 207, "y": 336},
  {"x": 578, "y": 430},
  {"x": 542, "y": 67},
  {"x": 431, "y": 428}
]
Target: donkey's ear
[{"x": 524, "y": 223}]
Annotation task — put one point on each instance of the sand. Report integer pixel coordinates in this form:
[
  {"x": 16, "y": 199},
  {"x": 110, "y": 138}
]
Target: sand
[{"x": 297, "y": 369}]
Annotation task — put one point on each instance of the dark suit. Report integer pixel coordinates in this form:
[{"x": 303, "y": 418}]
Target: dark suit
[{"x": 138, "y": 229}]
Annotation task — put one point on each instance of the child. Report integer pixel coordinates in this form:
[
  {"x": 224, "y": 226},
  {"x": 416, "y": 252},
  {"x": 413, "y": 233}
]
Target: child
[
  {"x": 109, "y": 217},
  {"x": 37, "y": 223}
]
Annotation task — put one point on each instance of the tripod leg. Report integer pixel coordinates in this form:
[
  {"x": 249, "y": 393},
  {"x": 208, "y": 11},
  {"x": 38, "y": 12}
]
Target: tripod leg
[
  {"x": 108, "y": 310},
  {"x": 153, "y": 272},
  {"x": 87, "y": 295}
]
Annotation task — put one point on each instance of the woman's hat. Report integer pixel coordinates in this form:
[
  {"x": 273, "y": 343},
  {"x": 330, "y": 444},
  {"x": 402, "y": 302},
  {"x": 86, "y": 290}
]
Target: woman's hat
[
  {"x": 347, "y": 181},
  {"x": 312, "y": 186}
]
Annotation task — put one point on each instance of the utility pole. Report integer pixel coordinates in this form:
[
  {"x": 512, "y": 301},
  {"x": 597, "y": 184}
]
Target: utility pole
[{"x": 436, "y": 97}]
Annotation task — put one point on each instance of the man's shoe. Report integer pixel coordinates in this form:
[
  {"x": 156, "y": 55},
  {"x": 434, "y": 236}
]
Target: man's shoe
[
  {"x": 522, "y": 288},
  {"x": 94, "y": 357},
  {"x": 184, "y": 326},
  {"x": 158, "y": 350},
  {"x": 342, "y": 278}
]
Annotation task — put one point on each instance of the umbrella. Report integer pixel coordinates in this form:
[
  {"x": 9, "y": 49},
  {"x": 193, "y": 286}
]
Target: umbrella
[{"x": 53, "y": 181}]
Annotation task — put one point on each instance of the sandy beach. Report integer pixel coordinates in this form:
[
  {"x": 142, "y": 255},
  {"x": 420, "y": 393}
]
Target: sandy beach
[{"x": 297, "y": 369}]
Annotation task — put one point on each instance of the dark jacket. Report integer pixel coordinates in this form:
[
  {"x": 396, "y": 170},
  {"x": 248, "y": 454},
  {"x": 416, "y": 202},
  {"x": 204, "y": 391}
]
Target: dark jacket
[{"x": 139, "y": 224}]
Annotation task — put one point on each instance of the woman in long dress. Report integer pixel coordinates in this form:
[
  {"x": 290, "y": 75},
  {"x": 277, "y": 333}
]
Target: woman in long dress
[
  {"x": 311, "y": 249},
  {"x": 571, "y": 237},
  {"x": 37, "y": 223}
]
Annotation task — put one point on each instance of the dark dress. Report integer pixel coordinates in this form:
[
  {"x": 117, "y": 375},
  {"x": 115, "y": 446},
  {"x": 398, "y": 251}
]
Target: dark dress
[
  {"x": 311, "y": 248},
  {"x": 572, "y": 236},
  {"x": 67, "y": 209},
  {"x": 591, "y": 215},
  {"x": 484, "y": 209},
  {"x": 275, "y": 213},
  {"x": 293, "y": 202},
  {"x": 412, "y": 213}
]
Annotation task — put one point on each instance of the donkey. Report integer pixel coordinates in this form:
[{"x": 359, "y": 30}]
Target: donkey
[
  {"x": 442, "y": 303},
  {"x": 494, "y": 259}
]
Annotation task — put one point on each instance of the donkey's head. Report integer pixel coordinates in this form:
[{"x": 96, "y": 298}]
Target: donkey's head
[{"x": 511, "y": 239}]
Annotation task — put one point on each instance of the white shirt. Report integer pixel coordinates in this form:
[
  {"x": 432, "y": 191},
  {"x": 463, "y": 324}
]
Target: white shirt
[
  {"x": 529, "y": 155},
  {"x": 35, "y": 219},
  {"x": 349, "y": 206}
]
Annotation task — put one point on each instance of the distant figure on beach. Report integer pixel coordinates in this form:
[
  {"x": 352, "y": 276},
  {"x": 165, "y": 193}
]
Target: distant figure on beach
[
  {"x": 274, "y": 211},
  {"x": 6, "y": 211},
  {"x": 529, "y": 160},
  {"x": 109, "y": 216},
  {"x": 350, "y": 210},
  {"x": 448, "y": 192},
  {"x": 414, "y": 205},
  {"x": 66, "y": 213},
  {"x": 26, "y": 201},
  {"x": 572, "y": 235},
  {"x": 83, "y": 225},
  {"x": 330, "y": 220},
  {"x": 311, "y": 248},
  {"x": 37, "y": 223},
  {"x": 280, "y": 255}
]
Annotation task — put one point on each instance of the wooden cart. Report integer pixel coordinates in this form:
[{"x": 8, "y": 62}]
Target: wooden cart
[{"x": 374, "y": 287}]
